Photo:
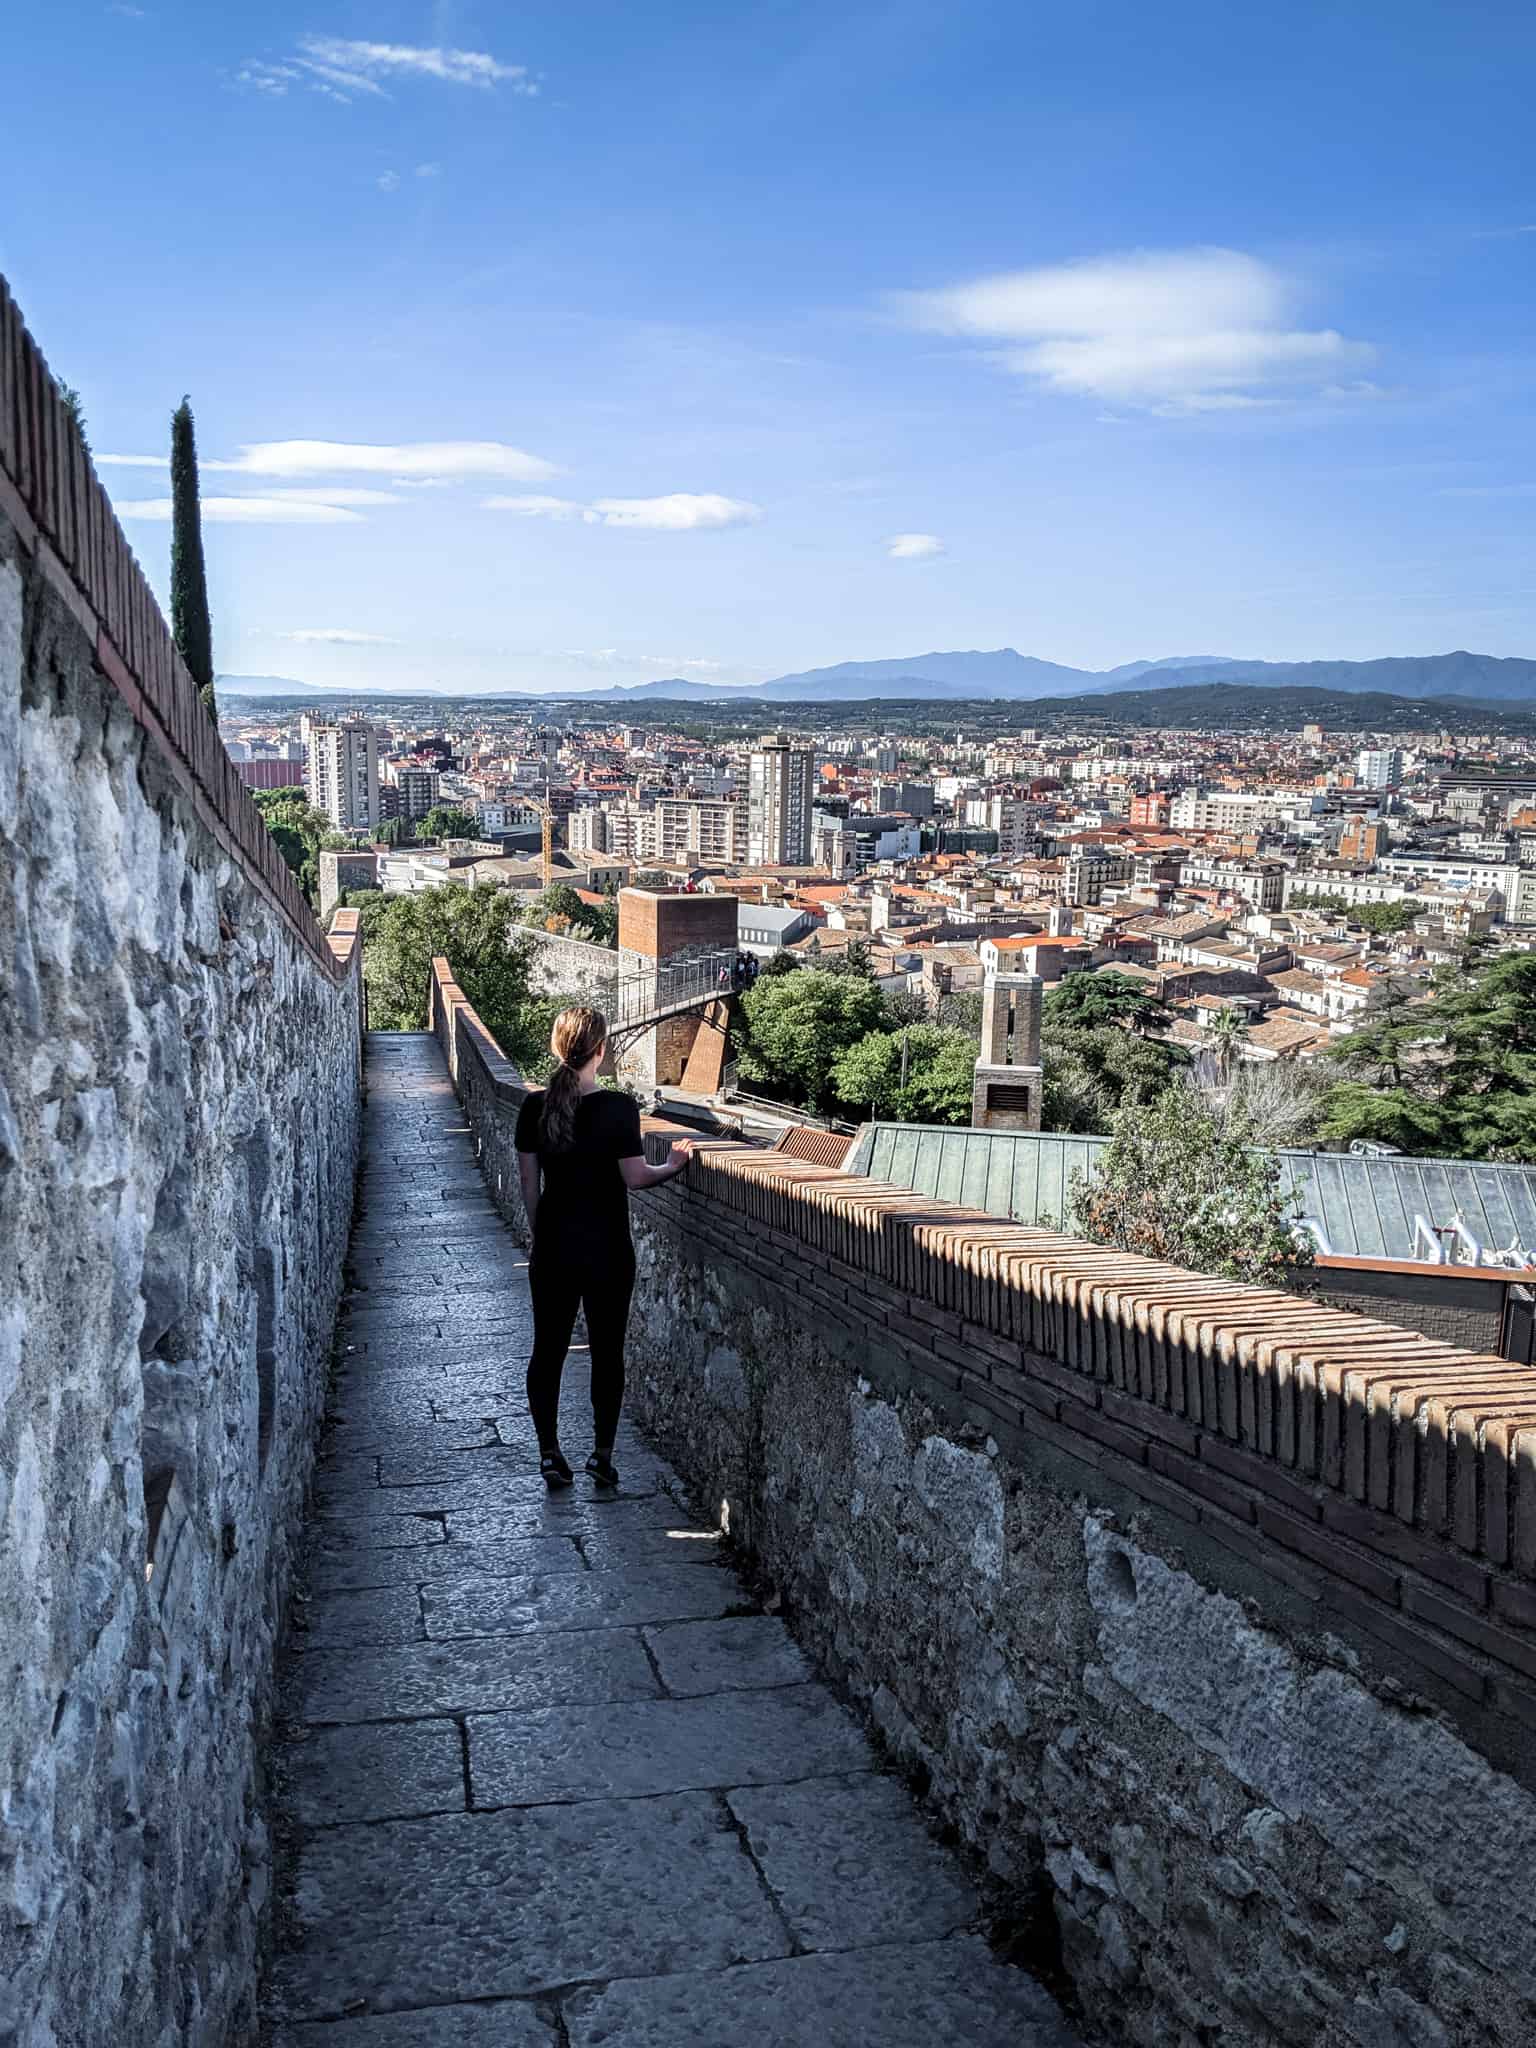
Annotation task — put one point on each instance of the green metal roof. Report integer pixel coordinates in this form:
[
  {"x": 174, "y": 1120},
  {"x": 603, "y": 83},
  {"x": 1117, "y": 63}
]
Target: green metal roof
[{"x": 1360, "y": 1207}]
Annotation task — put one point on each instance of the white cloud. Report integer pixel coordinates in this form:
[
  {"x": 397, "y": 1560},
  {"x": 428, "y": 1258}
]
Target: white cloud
[
  {"x": 913, "y": 547},
  {"x": 429, "y": 170},
  {"x": 678, "y": 512},
  {"x": 246, "y": 512},
  {"x": 433, "y": 461},
  {"x": 402, "y": 60},
  {"x": 339, "y": 68},
  {"x": 390, "y": 182},
  {"x": 336, "y": 636},
  {"x": 1176, "y": 330}
]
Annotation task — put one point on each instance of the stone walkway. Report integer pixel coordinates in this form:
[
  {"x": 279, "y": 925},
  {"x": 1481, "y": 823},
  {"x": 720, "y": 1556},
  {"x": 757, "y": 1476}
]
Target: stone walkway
[{"x": 554, "y": 1783}]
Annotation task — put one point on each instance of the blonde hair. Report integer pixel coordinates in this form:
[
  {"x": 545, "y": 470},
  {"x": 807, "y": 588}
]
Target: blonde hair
[{"x": 576, "y": 1037}]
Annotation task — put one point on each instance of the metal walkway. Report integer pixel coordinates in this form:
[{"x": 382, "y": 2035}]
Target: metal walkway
[{"x": 549, "y": 1780}]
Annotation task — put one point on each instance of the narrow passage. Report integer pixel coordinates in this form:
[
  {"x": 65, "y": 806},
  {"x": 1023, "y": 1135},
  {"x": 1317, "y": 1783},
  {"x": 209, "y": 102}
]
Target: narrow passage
[{"x": 553, "y": 1785}]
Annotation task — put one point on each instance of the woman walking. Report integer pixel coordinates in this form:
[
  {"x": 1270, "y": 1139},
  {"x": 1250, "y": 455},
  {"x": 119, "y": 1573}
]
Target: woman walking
[{"x": 579, "y": 1152}]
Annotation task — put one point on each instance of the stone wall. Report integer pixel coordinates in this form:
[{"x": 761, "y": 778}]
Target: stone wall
[
  {"x": 179, "y": 1119},
  {"x": 1205, "y": 1616}
]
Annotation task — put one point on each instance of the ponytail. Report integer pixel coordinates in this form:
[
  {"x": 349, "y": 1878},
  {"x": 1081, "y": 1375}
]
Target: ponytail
[{"x": 578, "y": 1035}]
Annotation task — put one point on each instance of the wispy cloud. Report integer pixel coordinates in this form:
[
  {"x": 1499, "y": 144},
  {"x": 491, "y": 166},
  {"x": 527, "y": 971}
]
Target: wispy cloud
[
  {"x": 913, "y": 547},
  {"x": 246, "y": 512},
  {"x": 389, "y": 182},
  {"x": 1487, "y": 491},
  {"x": 429, "y": 170},
  {"x": 1181, "y": 330},
  {"x": 1501, "y": 234},
  {"x": 678, "y": 512},
  {"x": 340, "y": 68},
  {"x": 429, "y": 461},
  {"x": 336, "y": 636}
]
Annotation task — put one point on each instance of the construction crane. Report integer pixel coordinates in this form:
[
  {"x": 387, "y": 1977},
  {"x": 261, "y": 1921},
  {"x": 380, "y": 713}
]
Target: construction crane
[{"x": 544, "y": 811}]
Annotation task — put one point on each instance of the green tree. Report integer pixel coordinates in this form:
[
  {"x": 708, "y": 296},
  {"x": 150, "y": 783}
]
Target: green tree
[
  {"x": 1090, "y": 1076},
  {"x": 1084, "y": 1001},
  {"x": 478, "y": 932},
  {"x": 796, "y": 1027},
  {"x": 781, "y": 963},
  {"x": 191, "y": 627},
  {"x": 1175, "y": 1183},
  {"x": 1452, "y": 1071},
  {"x": 601, "y": 921},
  {"x": 74, "y": 405},
  {"x": 301, "y": 832},
  {"x": 394, "y": 832},
  {"x": 855, "y": 958},
  {"x": 940, "y": 1069},
  {"x": 961, "y": 1011},
  {"x": 447, "y": 821}
]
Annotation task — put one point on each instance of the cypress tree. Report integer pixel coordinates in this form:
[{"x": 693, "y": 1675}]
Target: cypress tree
[{"x": 191, "y": 627}]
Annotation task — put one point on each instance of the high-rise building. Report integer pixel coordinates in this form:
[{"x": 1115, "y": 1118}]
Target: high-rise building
[
  {"x": 341, "y": 773},
  {"x": 418, "y": 787},
  {"x": 780, "y": 781},
  {"x": 1379, "y": 768}
]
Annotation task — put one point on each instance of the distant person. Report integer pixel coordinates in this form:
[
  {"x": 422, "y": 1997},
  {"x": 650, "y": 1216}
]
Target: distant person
[{"x": 579, "y": 1152}]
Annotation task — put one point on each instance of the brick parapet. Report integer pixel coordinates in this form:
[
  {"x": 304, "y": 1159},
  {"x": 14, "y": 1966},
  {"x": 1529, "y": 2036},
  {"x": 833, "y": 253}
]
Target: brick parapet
[
  {"x": 1385, "y": 1482},
  {"x": 62, "y": 515}
]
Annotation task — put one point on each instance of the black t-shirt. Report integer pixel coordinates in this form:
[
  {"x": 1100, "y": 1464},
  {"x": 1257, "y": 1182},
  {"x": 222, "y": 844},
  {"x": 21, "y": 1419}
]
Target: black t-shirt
[{"x": 584, "y": 1204}]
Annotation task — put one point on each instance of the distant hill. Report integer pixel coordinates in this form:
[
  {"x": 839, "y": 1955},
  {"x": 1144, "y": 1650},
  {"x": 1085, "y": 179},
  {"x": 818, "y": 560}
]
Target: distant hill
[
  {"x": 1006, "y": 675},
  {"x": 1002, "y": 673},
  {"x": 1460, "y": 674},
  {"x": 1277, "y": 707}
]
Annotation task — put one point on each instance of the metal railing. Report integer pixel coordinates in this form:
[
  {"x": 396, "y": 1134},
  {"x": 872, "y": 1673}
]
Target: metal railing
[{"x": 635, "y": 999}]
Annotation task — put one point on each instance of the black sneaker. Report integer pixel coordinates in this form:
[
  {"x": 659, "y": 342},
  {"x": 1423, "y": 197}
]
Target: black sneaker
[
  {"x": 556, "y": 1473},
  {"x": 603, "y": 1470}
]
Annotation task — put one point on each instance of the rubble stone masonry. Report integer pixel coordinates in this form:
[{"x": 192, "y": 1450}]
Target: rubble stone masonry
[
  {"x": 1205, "y": 1615},
  {"x": 179, "y": 1114}
]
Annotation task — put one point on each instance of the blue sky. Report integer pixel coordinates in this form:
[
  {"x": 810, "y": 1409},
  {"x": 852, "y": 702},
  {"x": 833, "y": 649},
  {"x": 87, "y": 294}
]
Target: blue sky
[{"x": 567, "y": 343}]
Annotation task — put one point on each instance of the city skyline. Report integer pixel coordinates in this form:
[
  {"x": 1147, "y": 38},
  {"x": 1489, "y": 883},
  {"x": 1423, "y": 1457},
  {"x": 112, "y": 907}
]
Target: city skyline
[{"x": 534, "y": 354}]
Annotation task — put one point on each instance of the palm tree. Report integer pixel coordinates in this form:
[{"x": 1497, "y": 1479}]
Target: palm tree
[{"x": 1223, "y": 1035}]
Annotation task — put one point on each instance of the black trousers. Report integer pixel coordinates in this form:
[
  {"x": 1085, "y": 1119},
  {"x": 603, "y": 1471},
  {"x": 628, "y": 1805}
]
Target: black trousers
[{"x": 561, "y": 1284}]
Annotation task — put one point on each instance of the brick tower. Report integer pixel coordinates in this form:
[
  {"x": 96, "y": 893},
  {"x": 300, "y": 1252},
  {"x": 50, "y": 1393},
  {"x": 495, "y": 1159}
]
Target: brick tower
[{"x": 1008, "y": 1074}]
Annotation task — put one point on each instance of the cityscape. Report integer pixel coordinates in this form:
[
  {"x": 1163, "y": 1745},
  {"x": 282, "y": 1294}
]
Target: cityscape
[
  {"x": 767, "y": 1025},
  {"x": 1264, "y": 889}
]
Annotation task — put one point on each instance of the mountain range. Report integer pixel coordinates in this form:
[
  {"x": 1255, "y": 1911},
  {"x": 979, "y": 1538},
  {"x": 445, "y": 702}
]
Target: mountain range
[{"x": 1005, "y": 673}]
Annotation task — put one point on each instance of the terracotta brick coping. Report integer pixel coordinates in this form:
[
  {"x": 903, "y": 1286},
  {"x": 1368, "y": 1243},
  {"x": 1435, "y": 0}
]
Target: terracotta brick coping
[
  {"x": 53, "y": 497},
  {"x": 1317, "y": 1407}
]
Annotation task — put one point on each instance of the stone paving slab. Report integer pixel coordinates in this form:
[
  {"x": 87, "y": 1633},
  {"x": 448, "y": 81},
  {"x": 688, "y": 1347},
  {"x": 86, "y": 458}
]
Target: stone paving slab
[
  {"x": 618, "y": 1598},
  {"x": 648, "y": 1746},
  {"x": 849, "y": 1861},
  {"x": 544, "y": 1670},
  {"x": 738, "y": 1655},
  {"x": 503, "y": 2024},
  {"x": 609, "y": 1514},
  {"x": 384, "y": 1772},
  {"x": 927, "y": 1995},
  {"x": 665, "y": 1544},
  {"x": 553, "y": 1782},
  {"x": 366, "y": 1619},
  {"x": 355, "y": 1570},
  {"x": 485, "y": 1905}
]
